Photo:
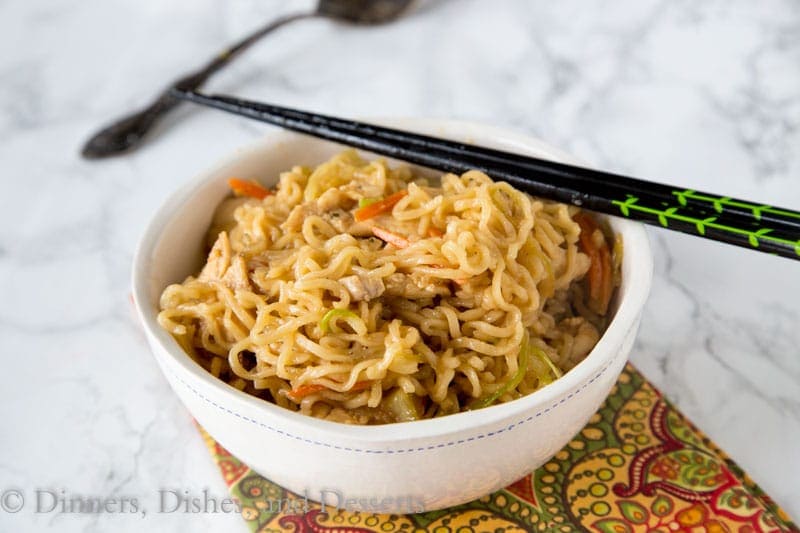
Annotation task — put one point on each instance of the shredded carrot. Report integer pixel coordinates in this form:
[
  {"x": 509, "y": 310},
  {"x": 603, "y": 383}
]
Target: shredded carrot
[
  {"x": 312, "y": 388},
  {"x": 433, "y": 231},
  {"x": 381, "y": 206},
  {"x": 304, "y": 390},
  {"x": 600, "y": 275},
  {"x": 395, "y": 239},
  {"x": 248, "y": 188},
  {"x": 360, "y": 385}
]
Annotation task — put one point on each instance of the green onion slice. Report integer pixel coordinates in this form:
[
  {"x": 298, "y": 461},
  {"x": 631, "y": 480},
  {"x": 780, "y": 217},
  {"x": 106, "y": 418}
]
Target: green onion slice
[
  {"x": 333, "y": 315},
  {"x": 364, "y": 202},
  {"x": 516, "y": 379},
  {"x": 549, "y": 362}
]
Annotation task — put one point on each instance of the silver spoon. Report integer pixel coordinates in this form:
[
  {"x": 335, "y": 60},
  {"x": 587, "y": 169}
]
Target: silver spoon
[{"x": 128, "y": 132}]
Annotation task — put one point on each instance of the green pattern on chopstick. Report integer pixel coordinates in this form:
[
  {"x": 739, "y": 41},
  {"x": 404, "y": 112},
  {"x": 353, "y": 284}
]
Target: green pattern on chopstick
[
  {"x": 671, "y": 213},
  {"x": 720, "y": 203}
]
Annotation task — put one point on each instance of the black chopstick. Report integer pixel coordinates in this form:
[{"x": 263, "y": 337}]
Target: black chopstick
[{"x": 739, "y": 222}]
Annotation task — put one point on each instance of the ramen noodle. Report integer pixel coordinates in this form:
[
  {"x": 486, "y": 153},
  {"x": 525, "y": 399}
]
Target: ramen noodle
[{"x": 361, "y": 293}]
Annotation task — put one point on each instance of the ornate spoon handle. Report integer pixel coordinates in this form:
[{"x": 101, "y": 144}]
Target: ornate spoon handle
[{"x": 128, "y": 132}]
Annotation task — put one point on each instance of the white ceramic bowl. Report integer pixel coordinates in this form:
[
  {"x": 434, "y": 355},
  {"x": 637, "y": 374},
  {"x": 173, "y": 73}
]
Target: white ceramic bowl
[{"x": 404, "y": 467}]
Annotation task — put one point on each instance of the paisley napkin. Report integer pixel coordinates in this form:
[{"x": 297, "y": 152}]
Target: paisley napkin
[{"x": 638, "y": 466}]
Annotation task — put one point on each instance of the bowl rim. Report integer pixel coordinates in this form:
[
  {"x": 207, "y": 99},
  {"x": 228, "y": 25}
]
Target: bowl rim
[{"x": 637, "y": 253}]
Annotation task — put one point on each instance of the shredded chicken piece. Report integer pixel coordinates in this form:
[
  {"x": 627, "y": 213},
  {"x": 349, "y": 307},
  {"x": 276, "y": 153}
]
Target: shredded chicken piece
[
  {"x": 584, "y": 337},
  {"x": 268, "y": 259},
  {"x": 222, "y": 267},
  {"x": 219, "y": 258},
  {"x": 331, "y": 206},
  {"x": 585, "y": 340},
  {"x": 362, "y": 229},
  {"x": 413, "y": 286},
  {"x": 236, "y": 275},
  {"x": 340, "y": 219},
  {"x": 363, "y": 286}
]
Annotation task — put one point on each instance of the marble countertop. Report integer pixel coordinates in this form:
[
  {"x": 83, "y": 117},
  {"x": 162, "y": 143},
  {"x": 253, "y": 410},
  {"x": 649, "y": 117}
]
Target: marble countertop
[{"x": 705, "y": 95}]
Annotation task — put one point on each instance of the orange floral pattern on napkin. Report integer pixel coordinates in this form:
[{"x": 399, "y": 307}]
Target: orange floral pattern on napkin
[{"x": 638, "y": 466}]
